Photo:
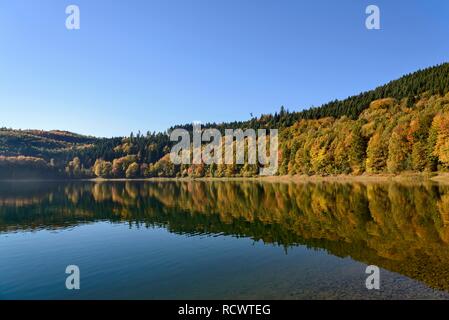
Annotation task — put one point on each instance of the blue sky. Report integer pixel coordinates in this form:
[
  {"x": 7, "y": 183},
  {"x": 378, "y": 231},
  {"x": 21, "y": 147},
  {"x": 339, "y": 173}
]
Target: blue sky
[{"x": 146, "y": 65}]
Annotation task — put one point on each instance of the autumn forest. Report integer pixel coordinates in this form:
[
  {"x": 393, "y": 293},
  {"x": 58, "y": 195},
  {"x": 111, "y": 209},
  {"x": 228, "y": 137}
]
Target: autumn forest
[{"x": 402, "y": 126}]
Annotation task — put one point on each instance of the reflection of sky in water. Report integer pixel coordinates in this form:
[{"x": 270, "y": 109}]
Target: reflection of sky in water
[{"x": 189, "y": 256}]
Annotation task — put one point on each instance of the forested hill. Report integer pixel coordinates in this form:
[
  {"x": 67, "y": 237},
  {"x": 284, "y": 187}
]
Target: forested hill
[
  {"x": 433, "y": 80},
  {"x": 56, "y": 145},
  {"x": 40, "y": 143},
  {"x": 400, "y": 126}
]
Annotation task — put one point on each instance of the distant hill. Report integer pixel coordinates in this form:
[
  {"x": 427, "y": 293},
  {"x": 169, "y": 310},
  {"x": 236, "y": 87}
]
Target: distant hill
[{"x": 38, "y": 143}]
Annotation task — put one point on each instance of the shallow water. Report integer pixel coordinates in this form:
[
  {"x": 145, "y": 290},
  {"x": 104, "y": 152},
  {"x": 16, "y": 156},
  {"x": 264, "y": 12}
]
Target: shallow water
[{"x": 221, "y": 240}]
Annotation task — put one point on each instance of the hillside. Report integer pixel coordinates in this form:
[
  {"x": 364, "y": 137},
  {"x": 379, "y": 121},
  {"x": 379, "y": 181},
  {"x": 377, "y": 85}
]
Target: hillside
[
  {"x": 38, "y": 153},
  {"x": 400, "y": 126},
  {"x": 433, "y": 80},
  {"x": 39, "y": 143}
]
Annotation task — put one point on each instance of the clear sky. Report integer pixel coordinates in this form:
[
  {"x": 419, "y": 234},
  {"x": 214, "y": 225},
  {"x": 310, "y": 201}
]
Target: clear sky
[{"x": 146, "y": 65}]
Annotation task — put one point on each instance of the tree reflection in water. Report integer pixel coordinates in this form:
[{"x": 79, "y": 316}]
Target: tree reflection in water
[{"x": 402, "y": 228}]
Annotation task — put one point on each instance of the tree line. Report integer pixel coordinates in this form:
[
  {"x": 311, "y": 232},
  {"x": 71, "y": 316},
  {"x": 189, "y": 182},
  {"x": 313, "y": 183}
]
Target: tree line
[{"x": 400, "y": 126}]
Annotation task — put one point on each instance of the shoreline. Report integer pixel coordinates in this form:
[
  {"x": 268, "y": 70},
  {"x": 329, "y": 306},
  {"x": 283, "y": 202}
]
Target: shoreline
[
  {"x": 441, "y": 177},
  {"x": 435, "y": 177}
]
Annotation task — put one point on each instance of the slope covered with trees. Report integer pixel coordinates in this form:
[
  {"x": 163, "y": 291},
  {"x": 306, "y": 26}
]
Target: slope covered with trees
[
  {"x": 400, "y": 126},
  {"x": 433, "y": 80},
  {"x": 390, "y": 136}
]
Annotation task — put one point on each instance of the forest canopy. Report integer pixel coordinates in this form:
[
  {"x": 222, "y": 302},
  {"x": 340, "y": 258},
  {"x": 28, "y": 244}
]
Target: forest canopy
[{"x": 400, "y": 126}]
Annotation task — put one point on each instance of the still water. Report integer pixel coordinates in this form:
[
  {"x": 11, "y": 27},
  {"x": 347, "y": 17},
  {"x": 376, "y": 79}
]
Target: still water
[{"x": 223, "y": 240}]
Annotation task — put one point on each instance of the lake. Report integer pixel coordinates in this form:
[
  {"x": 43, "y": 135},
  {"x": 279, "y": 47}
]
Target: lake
[{"x": 223, "y": 240}]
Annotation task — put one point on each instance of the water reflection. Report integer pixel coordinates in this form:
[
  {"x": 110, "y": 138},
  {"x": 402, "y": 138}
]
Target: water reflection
[{"x": 401, "y": 228}]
